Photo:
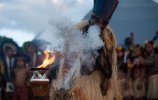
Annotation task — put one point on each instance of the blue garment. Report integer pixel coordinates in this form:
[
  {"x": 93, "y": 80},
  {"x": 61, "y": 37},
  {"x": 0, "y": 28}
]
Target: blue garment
[
  {"x": 155, "y": 37},
  {"x": 103, "y": 9}
]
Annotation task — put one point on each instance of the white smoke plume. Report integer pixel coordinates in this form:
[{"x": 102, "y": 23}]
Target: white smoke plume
[
  {"x": 65, "y": 12},
  {"x": 86, "y": 45},
  {"x": 60, "y": 32}
]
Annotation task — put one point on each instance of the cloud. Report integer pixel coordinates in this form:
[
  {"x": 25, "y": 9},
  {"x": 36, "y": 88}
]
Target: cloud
[
  {"x": 155, "y": 1},
  {"x": 30, "y": 15},
  {"x": 33, "y": 16},
  {"x": 75, "y": 9}
]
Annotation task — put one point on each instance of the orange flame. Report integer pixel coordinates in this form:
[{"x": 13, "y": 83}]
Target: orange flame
[{"x": 48, "y": 60}]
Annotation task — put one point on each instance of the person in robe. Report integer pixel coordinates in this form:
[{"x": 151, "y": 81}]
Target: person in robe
[
  {"x": 9, "y": 48},
  {"x": 138, "y": 73},
  {"x": 151, "y": 62},
  {"x": 101, "y": 83}
]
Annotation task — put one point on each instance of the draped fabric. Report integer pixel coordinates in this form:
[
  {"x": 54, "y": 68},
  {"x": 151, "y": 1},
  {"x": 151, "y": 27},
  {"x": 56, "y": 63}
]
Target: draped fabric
[
  {"x": 89, "y": 84},
  {"x": 104, "y": 9},
  {"x": 9, "y": 68}
]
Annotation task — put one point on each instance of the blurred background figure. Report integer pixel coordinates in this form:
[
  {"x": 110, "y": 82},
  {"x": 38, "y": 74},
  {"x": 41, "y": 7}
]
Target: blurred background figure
[
  {"x": 151, "y": 61},
  {"x": 150, "y": 57},
  {"x": 138, "y": 73},
  {"x": 129, "y": 42},
  {"x": 9, "y": 48},
  {"x": 120, "y": 55},
  {"x": 125, "y": 80},
  {"x": 22, "y": 90},
  {"x": 31, "y": 50}
]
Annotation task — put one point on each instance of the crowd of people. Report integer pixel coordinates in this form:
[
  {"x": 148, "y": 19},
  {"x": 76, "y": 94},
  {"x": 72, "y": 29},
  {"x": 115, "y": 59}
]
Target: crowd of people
[
  {"x": 138, "y": 70},
  {"x": 15, "y": 63}
]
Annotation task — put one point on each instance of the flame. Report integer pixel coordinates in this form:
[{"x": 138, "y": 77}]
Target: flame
[{"x": 48, "y": 60}]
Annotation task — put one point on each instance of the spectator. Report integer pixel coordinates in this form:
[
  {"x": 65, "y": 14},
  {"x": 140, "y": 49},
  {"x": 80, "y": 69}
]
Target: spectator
[
  {"x": 9, "y": 62},
  {"x": 151, "y": 57},
  {"x": 9, "y": 49},
  {"x": 138, "y": 73},
  {"x": 125, "y": 80},
  {"x": 120, "y": 55},
  {"x": 31, "y": 50},
  {"x": 152, "y": 70},
  {"x": 22, "y": 90}
]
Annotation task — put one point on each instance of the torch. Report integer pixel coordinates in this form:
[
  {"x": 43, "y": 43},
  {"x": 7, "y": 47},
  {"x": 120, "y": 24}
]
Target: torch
[{"x": 39, "y": 80}]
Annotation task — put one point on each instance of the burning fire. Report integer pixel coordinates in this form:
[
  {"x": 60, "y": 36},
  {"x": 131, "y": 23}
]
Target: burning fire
[{"x": 48, "y": 60}]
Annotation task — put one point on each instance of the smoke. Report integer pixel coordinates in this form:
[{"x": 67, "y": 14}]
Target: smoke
[
  {"x": 65, "y": 13},
  {"x": 61, "y": 33},
  {"x": 78, "y": 44},
  {"x": 83, "y": 45},
  {"x": 93, "y": 38},
  {"x": 74, "y": 9}
]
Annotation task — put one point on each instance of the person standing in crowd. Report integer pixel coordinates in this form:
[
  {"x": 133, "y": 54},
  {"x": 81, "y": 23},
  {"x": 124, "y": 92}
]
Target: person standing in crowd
[
  {"x": 9, "y": 63},
  {"x": 9, "y": 48},
  {"x": 31, "y": 50},
  {"x": 125, "y": 80},
  {"x": 138, "y": 73},
  {"x": 22, "y": 90},
  {"x": 151, "y": 61}
]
